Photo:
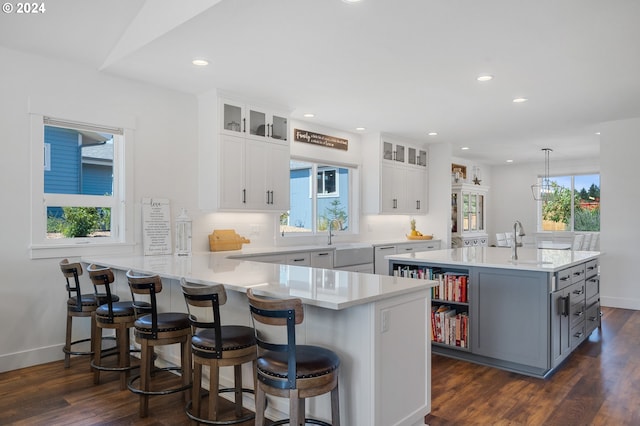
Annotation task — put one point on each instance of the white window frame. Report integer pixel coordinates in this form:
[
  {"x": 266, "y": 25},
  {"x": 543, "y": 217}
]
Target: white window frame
[
  {"x": 120, "y": 202},
  {"x": 336, "y": 193}
]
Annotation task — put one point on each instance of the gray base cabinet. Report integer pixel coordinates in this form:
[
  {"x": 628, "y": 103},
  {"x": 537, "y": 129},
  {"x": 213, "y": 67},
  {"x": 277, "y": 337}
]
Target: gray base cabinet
[{"x": 519, "y": 320}]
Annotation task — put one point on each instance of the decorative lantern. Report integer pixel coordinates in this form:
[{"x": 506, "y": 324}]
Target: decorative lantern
[{"x": 183, "y": 234}]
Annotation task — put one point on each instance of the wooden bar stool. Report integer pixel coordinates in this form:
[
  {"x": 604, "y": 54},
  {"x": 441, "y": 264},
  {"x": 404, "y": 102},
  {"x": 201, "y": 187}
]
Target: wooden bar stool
[
  {"x": 288, "y": 370},
  {"x": 153, "y": 328},
  {"x": 78, "y": 305},
  {"x": 115, "y": 315},
  {"x": 216, "y": 345}
]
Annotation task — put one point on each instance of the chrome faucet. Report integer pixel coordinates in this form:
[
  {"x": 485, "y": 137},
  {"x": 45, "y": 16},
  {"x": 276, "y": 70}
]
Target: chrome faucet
[
  {"x": 518, "y": 231},
  {"x": 331, "y": 222}
]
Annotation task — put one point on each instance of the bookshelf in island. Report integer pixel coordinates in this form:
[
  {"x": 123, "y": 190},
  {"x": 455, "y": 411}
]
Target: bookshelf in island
[{"x": 524, "y": 316}]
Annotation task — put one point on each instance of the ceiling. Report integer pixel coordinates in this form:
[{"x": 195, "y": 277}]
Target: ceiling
[{"x": 405, "y": 67}]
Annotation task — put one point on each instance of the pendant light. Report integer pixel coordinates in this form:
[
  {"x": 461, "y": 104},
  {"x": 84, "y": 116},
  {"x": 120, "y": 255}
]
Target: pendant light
[{"x": 544, "y": 191}]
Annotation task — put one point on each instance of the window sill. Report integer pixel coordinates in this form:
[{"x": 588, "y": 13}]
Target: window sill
[{"x": 47, "y": 251}]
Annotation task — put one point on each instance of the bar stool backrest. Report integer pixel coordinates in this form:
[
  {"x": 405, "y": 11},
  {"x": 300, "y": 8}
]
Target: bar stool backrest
[
  {"x": 73, "y": 270},
  {"x": 143, "y": 295},
  {"x": 102, "y": 277},
  {"x": 203, "y": 304},
  {"x": 277, "y": 312}
]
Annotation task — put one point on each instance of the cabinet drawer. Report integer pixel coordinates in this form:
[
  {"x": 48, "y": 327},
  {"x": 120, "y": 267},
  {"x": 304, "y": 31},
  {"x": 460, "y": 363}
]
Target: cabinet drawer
[
  {"x": 301, "y": 259},
  {"x": 591, "y": 268},
  {"x": 577, "y": 313},
  {"x": 576, "y": 293},
  {"x": 592, "y": 286},
  {"x": 578, "y": 334},
  {"x": 593, "y": 317},
  {"x": 577, "y": 273},
  {"x": 563, "y": 278}
]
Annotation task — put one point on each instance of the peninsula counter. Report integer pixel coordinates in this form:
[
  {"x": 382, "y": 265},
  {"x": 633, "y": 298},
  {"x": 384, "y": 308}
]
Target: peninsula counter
[
  {"x": 524, "y": 316},
  {"x": 378, "y": 325}
]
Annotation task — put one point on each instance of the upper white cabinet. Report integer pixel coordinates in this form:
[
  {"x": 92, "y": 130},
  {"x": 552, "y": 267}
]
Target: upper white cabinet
[
  {"x": 395, "y": 177},
  {"x": 253, "y": 122},
  {"x": 253, "y": 159}
]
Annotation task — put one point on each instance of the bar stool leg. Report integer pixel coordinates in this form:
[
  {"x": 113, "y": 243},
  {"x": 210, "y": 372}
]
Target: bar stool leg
[
  {"x": 261, "y": 399},
  {"x": 214, "y": 385},
  {"x": 67, "y": 341},
  {"x": 237, "y": 377},
  {"x": 186, "y": 372},
  {"x": 146, "y": 355},
  {"x": 197, "y": 386},
  {"x": 335, "y": 407},
  {"x": 122, "y": 337},
  {"x": 295, "y": 416},
  {"x": 97, "y": 353},
  {"x": 94, "y": 334}
]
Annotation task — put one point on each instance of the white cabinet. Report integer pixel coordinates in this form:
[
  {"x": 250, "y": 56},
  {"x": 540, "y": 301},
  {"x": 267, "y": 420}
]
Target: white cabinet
[
  {"x": 396, "y": 178},
  {"x": 468, "y": 215},
  {"x": 253, "y": 122},
  {"x": 254, "y": 175},
  {"x": 322, "y": 259}
]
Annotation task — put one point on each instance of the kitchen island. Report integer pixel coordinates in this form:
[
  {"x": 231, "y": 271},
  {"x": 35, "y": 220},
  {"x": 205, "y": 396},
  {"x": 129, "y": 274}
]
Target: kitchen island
[
  {"x": 378, "y": 325},
  {"x": 525, "y": 316}
]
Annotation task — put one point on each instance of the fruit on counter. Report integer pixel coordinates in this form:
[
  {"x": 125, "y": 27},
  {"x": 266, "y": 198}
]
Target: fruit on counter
[{"x": 414, "y": 231}]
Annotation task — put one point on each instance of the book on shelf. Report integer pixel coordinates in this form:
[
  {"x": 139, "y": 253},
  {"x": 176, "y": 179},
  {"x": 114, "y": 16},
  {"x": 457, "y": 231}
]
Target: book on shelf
[
  {"x": 449, "y": 326},
  {"x": 451, "y": 287}
]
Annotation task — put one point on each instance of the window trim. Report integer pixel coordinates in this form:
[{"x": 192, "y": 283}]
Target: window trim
[
  {"x": 354, "y": 197},
  {"x": 336, "y": 170},
  {"x": 121, "y": 202},
  {"x": 539, "y": 203}
]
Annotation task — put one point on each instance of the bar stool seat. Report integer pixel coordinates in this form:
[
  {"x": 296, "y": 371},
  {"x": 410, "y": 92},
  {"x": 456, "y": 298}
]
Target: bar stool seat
[
  {"x": 289, "y": 370},
  {"x": 116, "y": 315},
  {"x": 216, "y": 345},
  {"x": 151, "y": 329}
]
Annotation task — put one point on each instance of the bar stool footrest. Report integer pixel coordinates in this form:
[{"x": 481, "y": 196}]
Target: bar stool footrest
[
  {"x": 139, "y": 391},
  {"x": 112, "y": 352},
  {"x": 75, "y": 342},
  {"x": 249, "y": 416},
  {"x": 306, "y": 421}
]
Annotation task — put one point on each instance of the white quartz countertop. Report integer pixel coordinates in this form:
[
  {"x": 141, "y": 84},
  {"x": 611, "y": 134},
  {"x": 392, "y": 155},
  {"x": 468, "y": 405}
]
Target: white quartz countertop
[
  {"x": 326, "y": 288},
  {"x": 529, "y": 259}
]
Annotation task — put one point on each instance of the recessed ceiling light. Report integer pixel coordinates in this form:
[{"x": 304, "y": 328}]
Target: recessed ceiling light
[
  {"x": 360, "y": 129},
  {"x": 465, "y": 148},
  {"x": 433, "y": 133},
  {"x": 485, "y": 77},
  {"x": 509, "y": 161},
  {"x": 520, "y": 100},
  {"x": 200, "y": 62},
  {"x": 598, "y": 133},
  {"x": 352, "y": 1},
  {"x": 308, "y": 115}
]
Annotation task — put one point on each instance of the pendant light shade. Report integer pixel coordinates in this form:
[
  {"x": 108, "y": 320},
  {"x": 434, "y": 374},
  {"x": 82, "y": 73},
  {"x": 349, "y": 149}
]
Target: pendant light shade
[{"x": 544, "y": 191}]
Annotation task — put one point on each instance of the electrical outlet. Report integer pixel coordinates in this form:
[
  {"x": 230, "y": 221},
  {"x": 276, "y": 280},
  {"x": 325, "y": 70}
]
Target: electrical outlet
[{"x": 385, "y": 320}]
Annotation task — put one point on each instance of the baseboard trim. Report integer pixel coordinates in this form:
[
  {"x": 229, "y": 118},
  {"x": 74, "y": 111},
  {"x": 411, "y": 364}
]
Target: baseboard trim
[{"x": 31, "y": 357}]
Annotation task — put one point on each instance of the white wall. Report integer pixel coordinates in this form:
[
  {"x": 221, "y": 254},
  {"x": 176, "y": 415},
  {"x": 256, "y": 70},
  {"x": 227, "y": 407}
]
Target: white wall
[
  {"x": 619, "y": 153},
  {"x": 32, "y": 295}
]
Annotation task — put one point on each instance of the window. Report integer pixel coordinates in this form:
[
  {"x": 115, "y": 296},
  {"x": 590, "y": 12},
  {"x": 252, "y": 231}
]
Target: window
[
  {"x": 78, "y": 187},
  {"x": 574, "y": 205},
  {"x": 316, "y": 207}
]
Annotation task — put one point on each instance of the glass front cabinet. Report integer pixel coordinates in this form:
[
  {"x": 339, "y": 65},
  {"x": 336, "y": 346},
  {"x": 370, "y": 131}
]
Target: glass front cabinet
[{"x": 468, "y": 215}]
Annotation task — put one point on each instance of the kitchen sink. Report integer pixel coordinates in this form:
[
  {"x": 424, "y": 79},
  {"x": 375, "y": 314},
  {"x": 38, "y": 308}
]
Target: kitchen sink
[{"x": 347, "y": 254}]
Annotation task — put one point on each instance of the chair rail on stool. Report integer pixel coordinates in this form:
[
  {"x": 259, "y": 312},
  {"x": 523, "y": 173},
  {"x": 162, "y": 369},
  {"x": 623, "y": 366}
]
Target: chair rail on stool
[
  {"x": 216, "y": 345},
  {"x": 153, "y": 328},
  {"x": 288, "y": 370}
]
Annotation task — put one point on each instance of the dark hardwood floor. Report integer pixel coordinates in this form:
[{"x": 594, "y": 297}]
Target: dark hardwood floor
[{"x": 598, "y": 385}]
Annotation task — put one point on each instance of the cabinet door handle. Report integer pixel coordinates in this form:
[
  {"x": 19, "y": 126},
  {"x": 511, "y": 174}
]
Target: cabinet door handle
[
  {"x": 268, "y": 197},
  {"x": 579, "y": 314},
  {"x": 395, "y": 203},
  {"x": 578, "y": 291},
  {"x": 418, "y": 204},
  {"x": 563, "y": 306},
  {"x": 577, "y": 274},
  {"x": 271, "y": 197},
  {"x": 564, "y": 278},
  {"x": 301, "y": 259},
  {"x": 578, "y": 334},
  {"x": 244, "y": 125},
  {"x": 323, "y": 254},
  {"x": 386, "y": 248},
  {"x": 244, "y": 196}
]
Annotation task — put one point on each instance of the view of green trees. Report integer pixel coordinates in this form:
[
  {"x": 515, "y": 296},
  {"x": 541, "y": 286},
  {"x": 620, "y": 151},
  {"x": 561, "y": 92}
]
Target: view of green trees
[{"x": 586, "y": 208}]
